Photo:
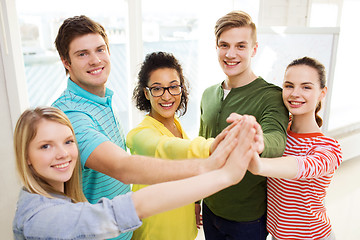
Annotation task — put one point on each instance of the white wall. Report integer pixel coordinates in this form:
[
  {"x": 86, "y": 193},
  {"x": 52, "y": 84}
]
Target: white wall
[
  {"x": 13, "y": 99},
  {"x": 8, "y": 179}
]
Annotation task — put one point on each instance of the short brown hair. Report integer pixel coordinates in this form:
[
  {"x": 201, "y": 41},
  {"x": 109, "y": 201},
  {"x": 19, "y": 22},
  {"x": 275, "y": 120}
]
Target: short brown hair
[
  {"x": 75, "y": 27},
  {"x": 235, "y": 19}
]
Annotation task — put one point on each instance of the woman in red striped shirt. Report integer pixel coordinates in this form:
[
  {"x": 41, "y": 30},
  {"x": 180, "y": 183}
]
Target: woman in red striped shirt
[{"x": 297, "y": 182}]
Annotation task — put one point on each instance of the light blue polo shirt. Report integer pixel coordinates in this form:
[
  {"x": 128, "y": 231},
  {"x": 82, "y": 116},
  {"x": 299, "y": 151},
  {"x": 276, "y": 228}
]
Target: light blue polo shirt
[{"x": 94, "y": 122}]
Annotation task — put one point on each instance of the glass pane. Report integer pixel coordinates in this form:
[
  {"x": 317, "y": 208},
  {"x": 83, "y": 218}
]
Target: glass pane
[
  {"x": 344, "y": 102},
  {"x": 180, "y": 28},
  {"x": 44, "y": 71},
  {"x": 324, "y": 14}
]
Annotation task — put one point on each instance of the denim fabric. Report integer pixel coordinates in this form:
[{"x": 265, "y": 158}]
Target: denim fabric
[
  {"x": 39, "y": 217},
  {"x": 217, "y": 228}
]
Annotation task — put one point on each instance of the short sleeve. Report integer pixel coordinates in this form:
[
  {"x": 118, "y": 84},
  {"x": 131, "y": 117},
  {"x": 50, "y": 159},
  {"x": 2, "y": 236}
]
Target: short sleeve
[{"x": 87, "y": 136}]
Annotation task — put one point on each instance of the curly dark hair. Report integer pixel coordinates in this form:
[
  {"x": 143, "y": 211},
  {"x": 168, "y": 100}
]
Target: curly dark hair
[{"x": 152, "y": 62}]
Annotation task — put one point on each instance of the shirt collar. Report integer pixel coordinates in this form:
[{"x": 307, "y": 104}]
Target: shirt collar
[{"x": 73, "y": 87}]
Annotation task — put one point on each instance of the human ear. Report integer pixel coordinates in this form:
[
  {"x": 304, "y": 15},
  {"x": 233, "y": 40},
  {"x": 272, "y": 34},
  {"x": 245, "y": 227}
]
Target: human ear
[
  {"x": 146, "y": 93},
  {"x": 65, "y": 63},
  {"x": 255, "y": 47},
  {"x": 323, "y": 93}
]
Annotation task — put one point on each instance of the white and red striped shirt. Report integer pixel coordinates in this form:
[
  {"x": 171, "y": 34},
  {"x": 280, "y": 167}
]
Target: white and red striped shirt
[{"x": 296, "y": 206}]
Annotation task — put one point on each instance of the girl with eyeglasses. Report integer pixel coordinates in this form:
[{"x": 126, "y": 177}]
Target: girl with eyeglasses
[{"x": 162, "y": 92}]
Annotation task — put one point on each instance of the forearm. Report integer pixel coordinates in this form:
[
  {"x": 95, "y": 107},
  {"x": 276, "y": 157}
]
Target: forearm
[
  {"x": 106, "y": 219},
  {"x": 176, "y": 148},
  {"x": 274, "y": 144},
  {"x": 148, "y": 170},
  {"x": 162, "y": 197},
  {"x": 282, "y": 167},
  {"x": 166, "y": 147}
]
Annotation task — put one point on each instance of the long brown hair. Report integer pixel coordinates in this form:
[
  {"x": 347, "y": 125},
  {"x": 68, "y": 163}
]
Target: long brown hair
[
  {"x": 25, "y": 132},
  {"x": 319, "y": 67}
]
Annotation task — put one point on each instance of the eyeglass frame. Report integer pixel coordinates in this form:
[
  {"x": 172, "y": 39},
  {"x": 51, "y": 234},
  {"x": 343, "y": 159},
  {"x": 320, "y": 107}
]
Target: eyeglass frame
[{"x": 164, "y": 89}]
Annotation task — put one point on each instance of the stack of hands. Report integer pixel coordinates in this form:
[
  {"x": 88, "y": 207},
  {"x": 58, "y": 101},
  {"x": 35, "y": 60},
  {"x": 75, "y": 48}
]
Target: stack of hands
[{"x": 235, "y": 150}]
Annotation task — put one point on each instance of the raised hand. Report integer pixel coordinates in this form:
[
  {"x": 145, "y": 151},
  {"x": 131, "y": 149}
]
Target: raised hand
[
  {"x": 240, "y": 157},
  {"x": 259, "y": 139},
  {"x": 223, "y": 149},
  {"x": 221, "y": 136},
  {"x": 255, "y": 164},
  {"x": 234, "y": 118}
]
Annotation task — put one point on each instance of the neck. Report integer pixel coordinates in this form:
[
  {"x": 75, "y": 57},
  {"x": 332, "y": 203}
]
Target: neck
[
  {"x": 304, "y": 124},
  {"x": 60, "y": 186},
  {"x": 169, "y": 123},
  {"x": 98, "y": 92},
  {"x": 240, "y": 80}
]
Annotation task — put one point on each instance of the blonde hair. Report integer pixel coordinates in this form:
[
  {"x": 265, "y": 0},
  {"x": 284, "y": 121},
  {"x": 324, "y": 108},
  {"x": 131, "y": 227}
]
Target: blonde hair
[
  {"x": 25, "y": 132},
  {"x": 235, "y": 19}
]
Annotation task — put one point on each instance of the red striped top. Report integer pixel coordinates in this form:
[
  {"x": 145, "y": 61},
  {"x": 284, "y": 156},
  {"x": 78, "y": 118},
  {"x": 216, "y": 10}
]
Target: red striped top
[{"x": 296, "y": 206}]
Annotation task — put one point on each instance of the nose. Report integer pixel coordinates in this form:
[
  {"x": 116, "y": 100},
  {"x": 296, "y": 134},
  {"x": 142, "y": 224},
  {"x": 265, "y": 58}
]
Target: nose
[
  {"x": 295, "y": 92},
  {"x": 61, "y": 152},
  {"x": 94, "y": 59},
  {"x": 166, "y": 95},
  {"x": 230, "y": 53}
]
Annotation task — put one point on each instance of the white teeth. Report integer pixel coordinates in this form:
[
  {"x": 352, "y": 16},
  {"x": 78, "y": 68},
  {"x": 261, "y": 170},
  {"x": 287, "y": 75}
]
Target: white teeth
[
  {"x": 62, "y": 165},
  {"x": 231, "y": 64},
  {"x": 166, "y": 105},
  {"x": 96, "y": 71},
  {"x": 295, "y": 103}
]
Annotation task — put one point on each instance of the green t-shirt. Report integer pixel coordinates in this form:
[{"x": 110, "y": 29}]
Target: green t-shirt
[{"x": 245, "y": 201}]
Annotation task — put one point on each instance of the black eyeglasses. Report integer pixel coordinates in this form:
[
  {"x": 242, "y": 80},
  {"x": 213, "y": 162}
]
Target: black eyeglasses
[{"x": 159, "y": 91}]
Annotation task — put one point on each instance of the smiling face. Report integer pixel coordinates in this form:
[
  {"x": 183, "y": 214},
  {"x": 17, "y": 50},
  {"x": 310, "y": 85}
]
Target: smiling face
[
  {"x": 235, "y": 48},
  {"x": 89, "y": 65},
  {"x": 301, "y": 90},
  {"x": 53, "y": 153},
  {"x": 163, "y": 108}
]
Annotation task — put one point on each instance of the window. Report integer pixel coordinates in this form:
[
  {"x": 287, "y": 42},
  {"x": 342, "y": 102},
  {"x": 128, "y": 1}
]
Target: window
[
  {"x": 185, "y": 28},
  {"x": 44, "y": 71}
]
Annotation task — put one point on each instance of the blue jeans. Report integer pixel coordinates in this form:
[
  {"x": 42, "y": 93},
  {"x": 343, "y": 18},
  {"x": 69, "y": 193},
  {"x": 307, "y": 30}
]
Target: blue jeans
[{"x": 218, "y": 228}]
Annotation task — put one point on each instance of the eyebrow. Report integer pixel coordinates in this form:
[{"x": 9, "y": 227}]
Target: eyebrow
[
  {"x": 304, "y": 83},
  {"x": 85, "y": 50},
  {"x": 173, "y": 81},
  {"x": 52, "y": 140},
  {"x": 241, "y": 42}
]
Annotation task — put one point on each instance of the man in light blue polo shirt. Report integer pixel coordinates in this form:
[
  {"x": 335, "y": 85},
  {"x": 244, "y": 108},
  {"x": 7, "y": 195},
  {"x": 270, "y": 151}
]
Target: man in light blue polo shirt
[
  {"x": 95, "y": 123},
  {"x": 107, "y": 168}
]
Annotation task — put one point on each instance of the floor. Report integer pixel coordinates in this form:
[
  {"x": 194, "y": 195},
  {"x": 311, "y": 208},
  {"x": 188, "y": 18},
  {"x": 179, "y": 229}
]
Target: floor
[{"x": 342, "y": 201}]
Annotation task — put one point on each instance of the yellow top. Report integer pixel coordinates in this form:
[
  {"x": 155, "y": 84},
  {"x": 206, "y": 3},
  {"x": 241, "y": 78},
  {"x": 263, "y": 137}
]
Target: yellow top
[{"x": 152, "y": 138}]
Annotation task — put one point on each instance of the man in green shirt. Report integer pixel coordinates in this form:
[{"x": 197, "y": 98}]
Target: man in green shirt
[{"x": 239, "y": 212}]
